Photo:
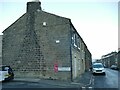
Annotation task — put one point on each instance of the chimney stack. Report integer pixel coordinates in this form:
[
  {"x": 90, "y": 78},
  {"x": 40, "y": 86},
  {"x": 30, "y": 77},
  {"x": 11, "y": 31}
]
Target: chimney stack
[{"x": 33, "y": 6}]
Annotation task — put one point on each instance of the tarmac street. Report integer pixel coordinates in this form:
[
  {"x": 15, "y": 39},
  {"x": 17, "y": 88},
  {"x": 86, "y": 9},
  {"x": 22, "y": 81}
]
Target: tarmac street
[
  {"x": 38, "y": 83},
  {"x": 88, "y": 81},
  {"x": 108, "y": 81}
]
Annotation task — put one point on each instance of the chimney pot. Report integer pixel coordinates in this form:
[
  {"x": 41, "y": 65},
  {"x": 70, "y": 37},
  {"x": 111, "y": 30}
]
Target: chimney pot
[{"x": 33, "y": 6}]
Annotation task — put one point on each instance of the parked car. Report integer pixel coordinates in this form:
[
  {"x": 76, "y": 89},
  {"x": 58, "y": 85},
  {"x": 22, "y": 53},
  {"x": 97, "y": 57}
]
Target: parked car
[
  {"x": 114, "y": 67},
  {"x": 6, "y": 73},
  {"x": 98, "y": 68}
]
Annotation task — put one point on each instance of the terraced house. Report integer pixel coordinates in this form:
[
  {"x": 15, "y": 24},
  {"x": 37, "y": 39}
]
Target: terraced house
[
  {"x": 43, "y": 45},
  {"x": 110, "y": 59}
]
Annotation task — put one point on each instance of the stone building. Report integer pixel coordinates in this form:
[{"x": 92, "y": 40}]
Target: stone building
[
  {"x": 43, "y": 45},
  {"x": 110, "y": 59},
  {"x": 0, "y": 49},
  {"x": 88, "y": 58}
]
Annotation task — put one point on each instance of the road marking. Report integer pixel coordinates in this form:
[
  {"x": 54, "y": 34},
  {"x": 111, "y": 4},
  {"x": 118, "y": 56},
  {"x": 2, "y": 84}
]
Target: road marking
[
  {"x": 87, "y": 88},
  {"x": 90, "y": 82},
  {"x": 75, "y": 83},
  {"x": 83, "y": 88},
  {"x": 90, "y": 87},
  {"x": 93, "y": 81}
]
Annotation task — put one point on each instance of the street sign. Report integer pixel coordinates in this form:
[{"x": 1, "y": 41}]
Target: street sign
[{"x": 64, "y": 69}]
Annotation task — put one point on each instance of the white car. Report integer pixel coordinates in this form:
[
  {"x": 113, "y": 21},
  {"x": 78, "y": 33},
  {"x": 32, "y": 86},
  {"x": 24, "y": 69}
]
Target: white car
[
  {"x": 98, "y": 68},
  {"x": 6, "y": 73},
  {"x": 3, "y": 75}
]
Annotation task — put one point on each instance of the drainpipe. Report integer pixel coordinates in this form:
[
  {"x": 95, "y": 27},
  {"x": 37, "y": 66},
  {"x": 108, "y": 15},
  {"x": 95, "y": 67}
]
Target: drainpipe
[{"x": 71, "y": 53}]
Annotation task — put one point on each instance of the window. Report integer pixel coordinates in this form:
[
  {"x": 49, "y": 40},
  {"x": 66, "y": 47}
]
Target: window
[
  {"x": 75, "y": 40},
  {"x": 82, "y": 46},
  {"x": 78, "y": 42}
]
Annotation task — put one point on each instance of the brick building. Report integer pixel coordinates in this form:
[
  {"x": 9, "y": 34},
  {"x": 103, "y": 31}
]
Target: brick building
[{"x": 43, "y": 45}]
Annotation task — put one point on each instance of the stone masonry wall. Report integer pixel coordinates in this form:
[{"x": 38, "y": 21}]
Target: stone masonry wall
[
  {"x": 53, "y": 33},
  {"x": 21, "y": 50},
  {"x": 32, "y": 49}
]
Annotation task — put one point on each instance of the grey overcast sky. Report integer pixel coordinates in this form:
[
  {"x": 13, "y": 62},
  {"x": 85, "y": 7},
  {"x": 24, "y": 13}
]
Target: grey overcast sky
[{"x": 95, "y": 20}]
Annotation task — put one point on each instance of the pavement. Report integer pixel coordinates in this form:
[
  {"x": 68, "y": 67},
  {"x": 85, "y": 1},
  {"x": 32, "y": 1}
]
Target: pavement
[
  {"x": 85, "y": 79},
  {"x": 82, "y": 81}
]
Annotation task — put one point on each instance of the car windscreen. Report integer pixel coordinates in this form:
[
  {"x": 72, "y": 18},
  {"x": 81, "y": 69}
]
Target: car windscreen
[
  {"x": 98, "y": 66},
  {"x": 3, "y": 68}
]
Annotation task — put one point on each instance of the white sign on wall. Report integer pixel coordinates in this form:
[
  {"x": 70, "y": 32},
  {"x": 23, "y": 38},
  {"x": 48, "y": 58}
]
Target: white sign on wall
[{"x": 64, "y": 69}]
